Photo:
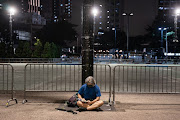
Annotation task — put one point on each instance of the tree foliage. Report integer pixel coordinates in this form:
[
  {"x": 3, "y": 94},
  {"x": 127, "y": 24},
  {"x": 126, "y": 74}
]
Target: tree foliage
[
  {"x": 38, "y": 49},
  {"x": 47, "y": 51},
  {"x": 2, "y": 49},
  {"x": 23, "y": 50}
]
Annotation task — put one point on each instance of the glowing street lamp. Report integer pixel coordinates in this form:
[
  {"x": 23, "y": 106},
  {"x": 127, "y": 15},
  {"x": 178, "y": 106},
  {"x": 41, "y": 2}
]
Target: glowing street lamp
[
  {"x": 177, "y": 13},
  {"x": 128, "y": 15},
  {"x": 11, "y": 11},
  {"x": 162, "y": 30},
  {"x": 95, "y": 13}
]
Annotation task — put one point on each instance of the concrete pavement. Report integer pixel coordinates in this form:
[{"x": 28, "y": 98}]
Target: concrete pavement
[{"x": 40, "y": 106}]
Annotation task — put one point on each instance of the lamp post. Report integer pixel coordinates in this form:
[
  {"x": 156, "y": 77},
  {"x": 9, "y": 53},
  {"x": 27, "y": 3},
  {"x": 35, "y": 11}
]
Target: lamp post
[
  {"x": 11, "y": 11},
  {"x": 177, "y": 13},
  {"x": 128, "y": 15},
  {"x": 94, "y": 13},
  {"x": 162, "y": 33},
  {"x": 114, "y": 41},
  {"x": 114, "y": 36}
]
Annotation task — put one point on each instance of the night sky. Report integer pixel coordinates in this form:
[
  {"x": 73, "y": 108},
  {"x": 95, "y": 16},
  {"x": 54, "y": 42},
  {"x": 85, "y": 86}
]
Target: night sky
[{"x": 144, "y": 13}]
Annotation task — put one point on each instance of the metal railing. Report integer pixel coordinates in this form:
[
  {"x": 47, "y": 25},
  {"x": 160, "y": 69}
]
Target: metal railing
[
  {"x": 7, "y": 81},
  {"x": 40, "y": 60},
  {"x": 96, "y": 60},
  {"x": 146, "y": 79},
  {"x": 62, "y": 77}
]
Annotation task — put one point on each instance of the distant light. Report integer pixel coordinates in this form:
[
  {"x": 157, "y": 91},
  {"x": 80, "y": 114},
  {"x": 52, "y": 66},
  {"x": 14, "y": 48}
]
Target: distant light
[
  {"x": 113, "y": 28},
  {"x": 124, "y": 14},
  {"x": 12, "y": 10},
  {"x": 165, "y": 28},
  {"x": 162, "y": 28},
  {"x": 131, "y": 14}
]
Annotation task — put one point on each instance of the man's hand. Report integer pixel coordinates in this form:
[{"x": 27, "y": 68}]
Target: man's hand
[
  {"x": 83, "y": 100},
  {"x": 89, "y": 102}
]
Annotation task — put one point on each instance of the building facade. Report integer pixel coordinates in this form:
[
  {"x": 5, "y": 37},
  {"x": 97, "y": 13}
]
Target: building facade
[
  {"x": 110, "y": 14},
  {"x": 56, "y": 10}
]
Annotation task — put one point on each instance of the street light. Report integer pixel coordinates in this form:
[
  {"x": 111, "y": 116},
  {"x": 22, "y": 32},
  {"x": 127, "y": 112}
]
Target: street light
[
  {"x": 11, "y": 11},
  {"x": 128, "y": 15},
  {"x": 177, "y": 13},
  {"x": 162, "y": 30},
  {"x": 95, "y": 13},
  {"x": 114, "y": 41}
]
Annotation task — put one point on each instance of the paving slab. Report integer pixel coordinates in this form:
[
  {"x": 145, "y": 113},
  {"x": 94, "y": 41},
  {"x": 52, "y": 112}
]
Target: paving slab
[{"x": 41, "y": 106}]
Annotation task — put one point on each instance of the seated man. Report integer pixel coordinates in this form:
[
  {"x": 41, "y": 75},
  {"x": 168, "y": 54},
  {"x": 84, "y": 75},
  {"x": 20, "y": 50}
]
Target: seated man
[{"x": 89, "y": 95}]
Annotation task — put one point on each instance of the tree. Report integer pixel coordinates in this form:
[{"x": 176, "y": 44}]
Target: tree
[
  {"x": 38, "y": 49},
  {"x": 9, "y": 51},
  {"x": 27, "y": 52},
  {"x": 54, "y": 51},
  {"x": 2, "y": 50},
  {"x": 19, "y": 50},
  {"x": 47, "y": 51},
  {"x": 23, "y": 50}
]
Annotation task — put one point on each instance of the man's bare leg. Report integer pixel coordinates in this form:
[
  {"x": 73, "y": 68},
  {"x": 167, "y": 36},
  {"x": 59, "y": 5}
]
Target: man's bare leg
[
  {"x": 81, "y": 104},
  {"x": 95, "y": 105}
]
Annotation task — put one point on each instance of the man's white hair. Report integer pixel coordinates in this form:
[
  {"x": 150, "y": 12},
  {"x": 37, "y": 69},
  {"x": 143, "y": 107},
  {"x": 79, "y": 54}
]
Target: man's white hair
[{"x": 90, "y": 79}]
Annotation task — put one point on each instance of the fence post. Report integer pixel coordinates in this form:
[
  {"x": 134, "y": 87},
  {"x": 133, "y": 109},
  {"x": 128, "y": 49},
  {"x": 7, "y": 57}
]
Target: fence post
[{"x": 12, "y": 86}]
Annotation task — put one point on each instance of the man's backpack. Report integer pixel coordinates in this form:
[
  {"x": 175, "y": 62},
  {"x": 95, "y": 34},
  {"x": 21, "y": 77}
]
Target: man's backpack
[{"x": 72, "y": 102}]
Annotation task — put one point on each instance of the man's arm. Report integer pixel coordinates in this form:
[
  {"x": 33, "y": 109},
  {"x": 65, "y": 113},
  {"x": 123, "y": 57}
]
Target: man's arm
[
  {"x": 95, "y": 100},
  {"x": 80, "y": 97}
]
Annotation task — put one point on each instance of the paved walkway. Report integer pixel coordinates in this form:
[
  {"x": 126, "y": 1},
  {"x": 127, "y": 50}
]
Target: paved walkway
[{"x": 41, "y": 106}]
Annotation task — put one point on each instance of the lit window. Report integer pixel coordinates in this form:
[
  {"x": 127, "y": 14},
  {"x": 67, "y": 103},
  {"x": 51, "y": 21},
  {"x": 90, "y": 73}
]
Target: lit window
[
  {"x": 161, "y": 8},
  {"x": 107, "y": 27},
  {"x": 107, "y": 16},
  {"x": 100, "y": 27},
  {"x": 100, "y": 33},
  {"x": 100, "y": 23},
  {"x": 61, "y": 5}
]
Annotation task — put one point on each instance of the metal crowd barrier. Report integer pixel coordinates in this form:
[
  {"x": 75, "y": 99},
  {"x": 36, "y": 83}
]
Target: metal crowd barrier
[
  {"x": 7, "y": 81},
  {"x": 62, "y": 78},
  {"x": 146, "y": 79}
]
